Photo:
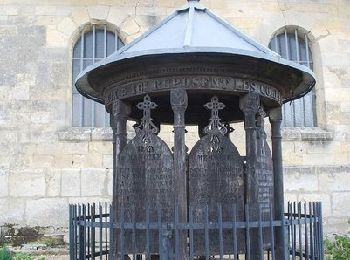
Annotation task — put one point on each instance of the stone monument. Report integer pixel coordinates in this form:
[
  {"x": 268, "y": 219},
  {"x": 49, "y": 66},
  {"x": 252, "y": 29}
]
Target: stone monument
[{"x": 195, "y": 69}]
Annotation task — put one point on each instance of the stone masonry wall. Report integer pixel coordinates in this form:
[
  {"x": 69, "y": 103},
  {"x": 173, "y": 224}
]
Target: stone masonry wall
[{"x": 46, "y": 164}]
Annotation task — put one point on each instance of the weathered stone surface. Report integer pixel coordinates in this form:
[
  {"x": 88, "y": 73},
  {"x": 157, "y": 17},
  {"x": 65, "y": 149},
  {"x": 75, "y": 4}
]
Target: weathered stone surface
[
  {"x": 70, "y": 184},
  {"x": 325, "y": 198},
  {"x": 4, "y": 184},
  {"x": 27, "y": 184},
  {"x": 98, "y": 12},
  {"x": 14, "y": 208},
  {"x": 300, "y": 179},
  {"x": 93, "y": 182},
  {"x": 53, "y": 182},
  {"x": 41, "y": 212},
  {"x": 130, "y": 26},
  {"x": 340, "y": 203}
]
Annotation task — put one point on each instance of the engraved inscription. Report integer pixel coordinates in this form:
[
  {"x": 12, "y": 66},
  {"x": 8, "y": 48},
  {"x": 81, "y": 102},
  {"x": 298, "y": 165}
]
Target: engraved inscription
[
  {"x": 145, "y": 177},
  {"x": 264, "y": 167},
  {"x": 209, "y": 82},
  {"x": 215, "y": 177}
]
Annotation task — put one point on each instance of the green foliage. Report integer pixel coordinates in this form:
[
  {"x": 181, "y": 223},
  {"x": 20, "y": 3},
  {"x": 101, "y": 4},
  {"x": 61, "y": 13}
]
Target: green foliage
[
  {"x": 22, "y": 256},
  {"x": 5, "y": 254},
  {"x": 2, "y": 239},
  {"x": 339, "y": 249}
]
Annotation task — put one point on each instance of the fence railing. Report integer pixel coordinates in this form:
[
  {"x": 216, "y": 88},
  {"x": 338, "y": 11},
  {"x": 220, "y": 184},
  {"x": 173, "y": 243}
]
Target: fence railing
[{"x": 91, "y": 233}]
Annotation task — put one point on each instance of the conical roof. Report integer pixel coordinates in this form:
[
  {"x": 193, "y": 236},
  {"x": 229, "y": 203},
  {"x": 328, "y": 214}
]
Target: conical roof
[{"x": 195, "y": 29}]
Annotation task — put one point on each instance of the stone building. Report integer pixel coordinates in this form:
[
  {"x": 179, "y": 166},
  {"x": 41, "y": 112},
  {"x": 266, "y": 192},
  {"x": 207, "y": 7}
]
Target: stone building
[{"x": 55, "y": 146}]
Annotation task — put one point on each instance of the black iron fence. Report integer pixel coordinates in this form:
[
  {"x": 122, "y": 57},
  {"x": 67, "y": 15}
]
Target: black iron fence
[{"x": 91, "y": 232}]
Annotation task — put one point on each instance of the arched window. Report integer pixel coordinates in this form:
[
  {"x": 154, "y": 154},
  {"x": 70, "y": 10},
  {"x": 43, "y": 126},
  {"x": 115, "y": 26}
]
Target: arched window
[
  {"x": 293, "y": 44},
  {"x": 95, "y": 43}
]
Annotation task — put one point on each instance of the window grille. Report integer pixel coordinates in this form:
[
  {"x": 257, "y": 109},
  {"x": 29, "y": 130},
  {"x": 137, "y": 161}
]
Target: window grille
[
  {"x": 93, "y": 45},
  {"x": 292, "y": 44}
]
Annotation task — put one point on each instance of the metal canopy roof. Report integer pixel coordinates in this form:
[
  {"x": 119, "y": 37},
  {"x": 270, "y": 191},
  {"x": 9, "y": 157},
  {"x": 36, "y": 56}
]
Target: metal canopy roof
[{"x": 194, "y": 29}]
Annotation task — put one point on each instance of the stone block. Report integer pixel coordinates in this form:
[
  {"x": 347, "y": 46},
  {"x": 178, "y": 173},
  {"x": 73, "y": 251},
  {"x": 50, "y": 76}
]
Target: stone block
[
  {"x": 288, "y": 148},
  {"x": 53, "y": 182},
  {"x": 4, "y": 183},
  {"x": 75, "y": 134},
  {"x": 324, "y": 147},
  {"x": 20, "y": 92},
  {"x": 14, "y": 208},
  {"x": 63, "y": 160},
  {"x": 336, "y": 225},
  {"x": 40, "y": 118},
  {"x": 27, "y": 184},
  {"x": 45, "y": 10},
  {"x": 67, "y": 26},
  {"x": 100, "y": 147},
  {"x": 117, "y": 14},
  {"x": 48, "y": 20},
  {"x": 74, "y": 148},
  {"x": 93, "y": 182},
  {"x": 55, "y": 38},
  {"x": 92, "y": 160},
  {"x": 42, "y": 161},
  {"x": 130, "y": 26},
  {"x": 70, "y": 182},
  {"x": 341, "y": 204},
  {"x": 9, "y": 10},
  {"x": 101, "y": 134},
  {"x": 98, "y": 12},
  {"x": 58, "y": 69},
  {"x": 330, "y": 181},
  {"x": 47, "y": 212},
  {"x": 300, "y": 179},
  {"x": 107, "y": 161},
  {"x": 345, "y": 107},
  {"x": 110, "y": 182},
  {"x": 80, "y": 15},
  {"x": 293, "y": 159},
  {"x": 324, "y": 159}
]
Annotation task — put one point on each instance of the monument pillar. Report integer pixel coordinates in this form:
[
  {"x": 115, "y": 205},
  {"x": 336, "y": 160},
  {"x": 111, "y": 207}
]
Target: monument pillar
[
  {"x": 276, "y": 139},
  {"x": 179, "y": 102},
  {"x": 250, "y": 104},
  {"x": 119, "y": 116}
]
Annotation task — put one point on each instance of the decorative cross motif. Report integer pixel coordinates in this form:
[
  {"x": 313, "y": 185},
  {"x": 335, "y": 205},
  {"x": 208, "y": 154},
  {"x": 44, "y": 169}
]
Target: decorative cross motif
[
  {"x": 215, "y": 124},
  {"x": 147, "y": 124},
  {"x": 146, "y": 106}
]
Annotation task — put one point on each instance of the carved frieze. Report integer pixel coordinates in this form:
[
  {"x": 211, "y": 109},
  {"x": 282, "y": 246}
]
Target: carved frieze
[{"x": 188, "y": 77}]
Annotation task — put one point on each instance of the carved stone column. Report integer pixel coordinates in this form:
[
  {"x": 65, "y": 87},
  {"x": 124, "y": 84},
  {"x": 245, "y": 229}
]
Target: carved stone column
[
  {"x": 179, "y": 102},
  {"x": 276, "y": 138},
  {"x": 119, "y": 118},
  {"x": 250, "y": 104}
]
